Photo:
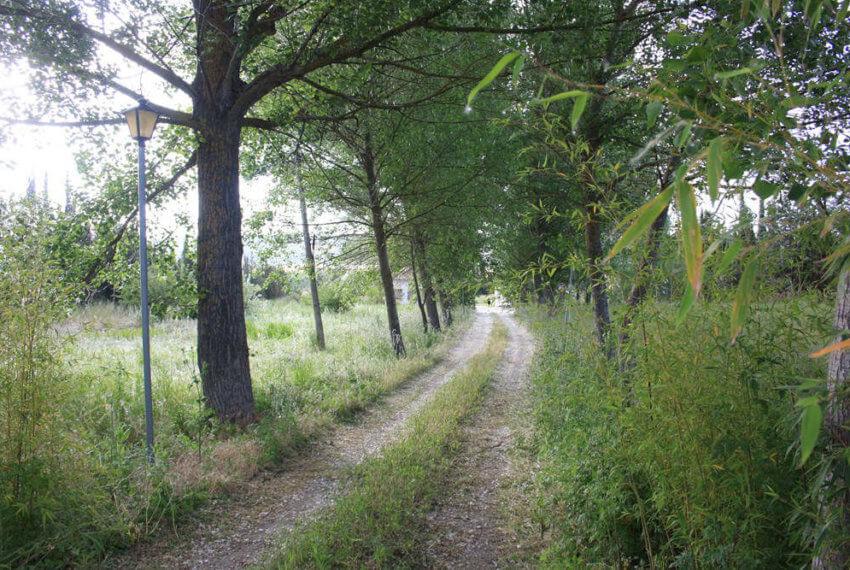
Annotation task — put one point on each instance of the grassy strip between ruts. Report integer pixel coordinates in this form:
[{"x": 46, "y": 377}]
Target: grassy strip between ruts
[{"x": 379, "y": 522}]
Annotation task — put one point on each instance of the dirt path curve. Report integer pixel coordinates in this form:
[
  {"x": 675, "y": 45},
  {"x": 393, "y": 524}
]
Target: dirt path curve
[
  {"x": 237, "y": 532},
  {"x": 468, "y": 528}
]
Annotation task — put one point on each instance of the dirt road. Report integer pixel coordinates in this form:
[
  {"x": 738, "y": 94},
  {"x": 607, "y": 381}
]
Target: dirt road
[
  {"x": 238, "y": 532},
  {"x": 469, "y": 528}
]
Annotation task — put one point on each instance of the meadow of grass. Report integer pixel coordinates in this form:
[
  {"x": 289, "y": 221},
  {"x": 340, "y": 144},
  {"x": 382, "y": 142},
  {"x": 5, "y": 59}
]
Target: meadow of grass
[
  {"x": 685, "y": 452},
  {"x": 99, "y": 494},
  {"x": 380, "y": 522}
]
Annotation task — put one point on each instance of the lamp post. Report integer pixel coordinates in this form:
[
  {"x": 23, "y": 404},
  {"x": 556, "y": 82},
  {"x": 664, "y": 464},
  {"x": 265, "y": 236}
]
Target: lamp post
[{"x": 142, "y": 120}]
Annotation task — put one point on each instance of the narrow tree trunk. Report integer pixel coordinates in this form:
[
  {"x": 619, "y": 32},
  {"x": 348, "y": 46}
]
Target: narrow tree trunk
[
  {"x": 379, "y": 233},
  {"x": 446, "y": 303},
  {"x": 640, "y": 286},
  {"x": 836, "y": 553},
  {"x": 419, "y": 302},
  {"x": 428, "y": 287},
  {"x": 538, "y": 288},
  {"x": 310, "y": 259},
  {"x": 598, "y": 287},
  {"x": 222, "y": 340}
]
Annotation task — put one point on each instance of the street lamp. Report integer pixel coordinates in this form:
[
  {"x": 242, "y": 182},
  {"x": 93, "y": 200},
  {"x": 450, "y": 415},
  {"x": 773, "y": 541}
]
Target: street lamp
[{"x": 142, "y": 121}]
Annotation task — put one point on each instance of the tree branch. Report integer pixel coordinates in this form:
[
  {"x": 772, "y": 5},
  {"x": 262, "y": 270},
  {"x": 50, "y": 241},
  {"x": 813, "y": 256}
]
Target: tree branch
[
  {"x": 65, "y": 22},
  {"x": 112, "y": 245},
  {"x": 279, "y": 74}
]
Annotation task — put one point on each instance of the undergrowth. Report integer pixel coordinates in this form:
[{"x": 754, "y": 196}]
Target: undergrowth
[
  {"x": 86, "y": 490},
  {"x": 683, "y": 453},
  {"x": 379, "y": 523}
]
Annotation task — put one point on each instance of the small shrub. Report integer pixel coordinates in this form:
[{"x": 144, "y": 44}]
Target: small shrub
[
  {"x": 279, "y": 331},
  {"x": 335, "y": 297}
]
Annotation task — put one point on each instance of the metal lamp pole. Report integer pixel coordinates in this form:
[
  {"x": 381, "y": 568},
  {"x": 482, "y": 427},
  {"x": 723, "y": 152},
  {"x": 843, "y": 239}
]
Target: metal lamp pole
[
  {"x": 146, "y": 333},
  {"x": 142, "y": 121}
]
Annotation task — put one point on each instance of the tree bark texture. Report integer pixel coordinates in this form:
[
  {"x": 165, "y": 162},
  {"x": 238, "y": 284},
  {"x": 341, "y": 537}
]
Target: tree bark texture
[
  {"x": 835, "y": 552},
  {"x": 419, "y": 302},
  {"x": 379, "y": 233},
  {"x": 310, "y": 260},
  {"x": 428, "y": 287},
  {"x": 222, "y": 338}
]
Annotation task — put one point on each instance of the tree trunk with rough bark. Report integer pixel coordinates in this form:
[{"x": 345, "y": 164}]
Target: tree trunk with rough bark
[
  {"x": 835, "y": 553},
  {"x": 428, "y": 287},
  {"x": 222, "y": 338},
  {"x": 310, "y": 259},
  {"x": 419, "y": 302},
  {"x": 379, "y": 233}
]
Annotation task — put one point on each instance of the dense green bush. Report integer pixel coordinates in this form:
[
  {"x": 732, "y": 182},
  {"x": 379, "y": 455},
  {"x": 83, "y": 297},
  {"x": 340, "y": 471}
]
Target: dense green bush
[
  {"x": 683, "y": 454},
  {"x": 335, "y": 297}
]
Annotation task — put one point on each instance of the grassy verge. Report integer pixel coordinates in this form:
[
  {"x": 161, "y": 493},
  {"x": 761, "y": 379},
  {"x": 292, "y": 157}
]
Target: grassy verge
[
  {"x": 94, "y": 493},
  {"x": 687, "y": 456},
  {"x": 379, "y": 523}
]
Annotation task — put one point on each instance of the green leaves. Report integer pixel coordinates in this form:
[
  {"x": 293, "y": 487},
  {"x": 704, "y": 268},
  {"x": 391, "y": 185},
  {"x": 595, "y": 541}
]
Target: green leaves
[
  {"x": 714, "y": 167},
  {"x": 729, "y": 256},
  {"x": 643, "y": 218},
  {"x": 653, "y": 110},
  {"x": 578, "y": 109},
  {"x": 579, "y": 103},
  {"x": 743, "y": 297},
  {"x": 765, "y": 189},
  {"x": 517, "y": 69},
  {"x": 733, "y": 73},
  {"x": 691, "y": 234},
  {"x": 493, "y": 74},
  {"x": 811, "y": 419}
]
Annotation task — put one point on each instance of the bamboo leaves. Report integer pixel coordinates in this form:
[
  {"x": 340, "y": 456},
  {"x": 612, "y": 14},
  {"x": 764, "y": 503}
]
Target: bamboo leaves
[
  {"x": 691, "y": 234},
  {"x": 743, "y": 297},
  {"x": 714, "y": 167},
  {"x": 643, "y": 218},
  {"x": 811, "y": 419},
  {"x": 493, "y": 74},
  {"x": 579, "y": 103},
  {"x": 834, "y": 347}
]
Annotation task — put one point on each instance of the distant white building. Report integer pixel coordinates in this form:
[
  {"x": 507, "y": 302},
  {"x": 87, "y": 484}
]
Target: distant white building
[{"x": 402, "y": 283}]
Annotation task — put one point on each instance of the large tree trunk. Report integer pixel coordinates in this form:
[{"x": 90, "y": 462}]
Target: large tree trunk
[
  {"x": 379, "y": 232},
  {"x": 222, "y": 340},
  {"x": 598, "y": 286},
  {"x": 310, "y": 259},
  {"x": 428, "y": 287},
  {"x": 836, "y": 553},
  {"x": 419, "y": 302}
]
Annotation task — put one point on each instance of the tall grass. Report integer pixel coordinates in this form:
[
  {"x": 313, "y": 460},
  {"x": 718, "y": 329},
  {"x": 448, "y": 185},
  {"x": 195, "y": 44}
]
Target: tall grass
[
  {"x": 97, "y": 491},
  {"x": 686, "y": 456}
]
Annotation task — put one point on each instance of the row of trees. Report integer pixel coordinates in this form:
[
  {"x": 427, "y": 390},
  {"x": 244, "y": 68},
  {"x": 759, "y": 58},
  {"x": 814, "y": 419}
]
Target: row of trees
[
  {"x": 615, "y": 122},
  {"x": 667, "y": 119},
  {"x": 251, "y": 74}
]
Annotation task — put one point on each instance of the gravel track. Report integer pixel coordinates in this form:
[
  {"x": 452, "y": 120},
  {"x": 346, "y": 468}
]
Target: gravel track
[{"x": 470, "y": 525}]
